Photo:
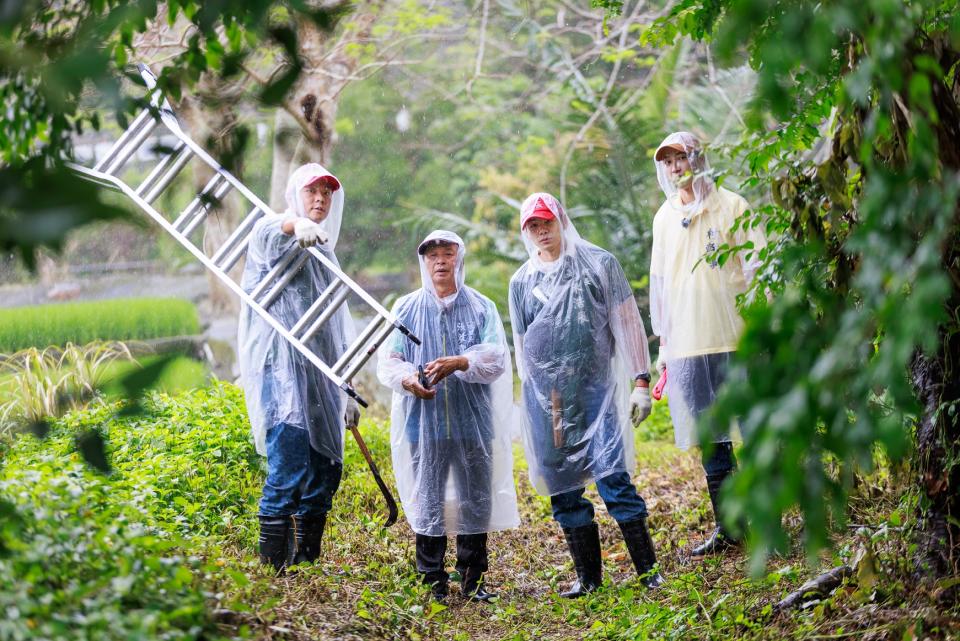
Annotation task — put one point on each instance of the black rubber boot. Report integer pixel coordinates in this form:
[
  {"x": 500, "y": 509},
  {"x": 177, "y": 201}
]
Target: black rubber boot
[
  {"x": 720, "y": 539},
  {"x": 276, "y": 542},
  {"x": 471, "y": 564},
  {"x": 430, "y": 554},
  {"x": 584, "y": 545},
  {"x": 308, "y": 532},
  {"x": 640, "y": 545}
]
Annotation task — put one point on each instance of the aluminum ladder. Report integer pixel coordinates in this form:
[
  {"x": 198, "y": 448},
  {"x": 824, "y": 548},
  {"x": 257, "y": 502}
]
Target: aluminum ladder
[{"x": 106, "y": 173}]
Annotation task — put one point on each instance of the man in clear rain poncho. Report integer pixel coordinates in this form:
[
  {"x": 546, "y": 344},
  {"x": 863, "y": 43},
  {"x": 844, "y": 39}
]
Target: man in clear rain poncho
[
  {"x": 450, "y": 428},
  {"x": 583, "y": 361},
  {"x": 297, "y": 414},
  {"x": 693, "y": 300}
]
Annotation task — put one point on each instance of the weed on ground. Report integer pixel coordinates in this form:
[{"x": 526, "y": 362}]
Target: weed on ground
[{"x": 164, "y": 547}]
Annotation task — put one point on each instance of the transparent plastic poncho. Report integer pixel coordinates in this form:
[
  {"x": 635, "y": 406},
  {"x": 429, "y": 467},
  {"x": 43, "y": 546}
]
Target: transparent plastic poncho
[
  {"x": 451, "y": 454},
  {"x": 692, "y": 297},
  {"x": 579, "y": 343},
  {"x": 279, "y": 383}
]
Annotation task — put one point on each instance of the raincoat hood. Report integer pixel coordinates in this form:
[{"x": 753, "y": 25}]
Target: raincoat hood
[
  {"x": 703, "y": 185},
  {"x": 303, "y": 176},
  {"x": 569, "y": 236},
  {"x": 442, "y": 236}
]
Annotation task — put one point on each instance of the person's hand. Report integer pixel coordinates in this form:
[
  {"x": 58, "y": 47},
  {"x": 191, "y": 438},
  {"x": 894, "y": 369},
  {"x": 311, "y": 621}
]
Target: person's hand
[
  {"x": 309, "y": 233},
  {"x": 640, "y": 405},
  {"x": 443, "y": 367},
  {"x": 412, "y": 385},
  {"x": 351, "y": 413}
]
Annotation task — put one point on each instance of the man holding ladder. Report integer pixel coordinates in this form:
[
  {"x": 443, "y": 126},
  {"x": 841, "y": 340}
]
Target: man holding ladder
[{"x": 296, "y": 412}]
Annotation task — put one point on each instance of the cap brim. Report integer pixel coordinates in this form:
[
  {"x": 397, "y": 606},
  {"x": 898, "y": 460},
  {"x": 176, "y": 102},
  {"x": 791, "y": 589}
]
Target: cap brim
[
  {"x": 331, "y": 181},
  {"x": 433, "y": 242},
  {"x": 542, "y": 215},
  {"x": 663, "y": 149}
]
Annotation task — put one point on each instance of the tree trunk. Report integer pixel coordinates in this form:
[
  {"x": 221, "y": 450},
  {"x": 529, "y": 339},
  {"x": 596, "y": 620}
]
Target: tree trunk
[
  {"x": 306, "y": 137},
  {"x": 936, "y": 377}
]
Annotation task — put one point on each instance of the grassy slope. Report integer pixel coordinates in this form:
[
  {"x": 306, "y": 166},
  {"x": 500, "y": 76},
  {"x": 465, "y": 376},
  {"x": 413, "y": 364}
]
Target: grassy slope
[{"x": 191, "y": 474}]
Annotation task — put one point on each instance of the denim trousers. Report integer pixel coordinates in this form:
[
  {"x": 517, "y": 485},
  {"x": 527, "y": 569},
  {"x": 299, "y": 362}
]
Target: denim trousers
[
  {"x": 571, "y": 509},
  {"x": 299, "y": 479}
]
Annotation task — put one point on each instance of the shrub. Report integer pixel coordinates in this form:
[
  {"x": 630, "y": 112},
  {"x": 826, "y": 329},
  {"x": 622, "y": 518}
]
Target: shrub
[
  {"x": 108, "y": 557},
  {"x": 108, "y": 320}
]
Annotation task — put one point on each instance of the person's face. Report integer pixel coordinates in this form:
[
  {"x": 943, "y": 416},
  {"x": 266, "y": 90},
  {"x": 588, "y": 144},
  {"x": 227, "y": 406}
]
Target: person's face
[
  {"x": 441, "y": 262},
  {"x": 677, "y": 165},
  {"x": 545, "y": 234},
  {"x": 316, "y": 200}
]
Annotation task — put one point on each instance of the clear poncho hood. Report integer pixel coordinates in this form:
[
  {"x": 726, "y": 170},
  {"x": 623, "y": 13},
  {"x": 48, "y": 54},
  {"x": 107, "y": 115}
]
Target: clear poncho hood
[
  {"x": 444, "y": 236},
  {"x": 569, "y": 236},
  {"x": 304, "y": 175},
  {"x": 703, "y": 184}
]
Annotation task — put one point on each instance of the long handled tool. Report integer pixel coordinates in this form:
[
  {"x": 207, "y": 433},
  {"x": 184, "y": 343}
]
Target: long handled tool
[
  {"x": 388, "y": 497},
  {"x": 186, "y": 228}
]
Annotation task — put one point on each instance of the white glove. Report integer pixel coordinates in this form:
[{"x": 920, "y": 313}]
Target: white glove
[
  {"x": 640, "y": 405},
  {"x": 351, "y": 414},
  {"x": 309, "y": 233}
]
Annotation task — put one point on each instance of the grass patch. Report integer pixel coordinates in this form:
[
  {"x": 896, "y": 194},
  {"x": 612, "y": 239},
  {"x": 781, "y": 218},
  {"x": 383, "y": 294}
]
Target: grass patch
[
  {"x": 164, "y": 547},
  {"x": 108, "y": 320}
]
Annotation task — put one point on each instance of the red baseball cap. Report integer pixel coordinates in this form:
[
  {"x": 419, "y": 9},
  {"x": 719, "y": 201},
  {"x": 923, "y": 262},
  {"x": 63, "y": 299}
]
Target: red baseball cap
[
  {"x": 330, "y": 180},
  {"x": 540, "y": 210}
]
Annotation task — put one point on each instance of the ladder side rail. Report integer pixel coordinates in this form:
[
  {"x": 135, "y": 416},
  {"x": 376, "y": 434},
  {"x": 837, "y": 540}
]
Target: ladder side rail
[{"x": 244, "y": 296}]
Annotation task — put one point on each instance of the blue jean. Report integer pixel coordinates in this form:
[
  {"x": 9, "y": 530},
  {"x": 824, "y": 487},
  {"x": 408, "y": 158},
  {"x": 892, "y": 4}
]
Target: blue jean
[
  {"x": 299, "y": 479},
  {"x": 623, "y": 502}
]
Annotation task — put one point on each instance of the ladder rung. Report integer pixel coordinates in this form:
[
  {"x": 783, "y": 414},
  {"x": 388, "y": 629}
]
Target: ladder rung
[
  {"x": 233, "y": 248},
  {"x": 371, "y": 350},
  {"x": 123, "y": 155},
  {"x": 284, "y": 280},
  {"x": 327, "y": 313},
  {"x": 164, "y": 173},
  {"x": 273, "y": 273},
  {"x": 206, "y": 207},
  {"x": 317, "y": 305},
  {"x": 199, "y": 203},
  {"x": 358, "y": 344},
  {"x": 130, "y": 131}
]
